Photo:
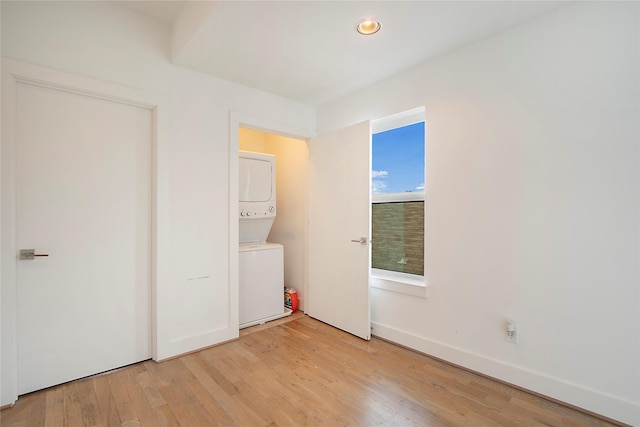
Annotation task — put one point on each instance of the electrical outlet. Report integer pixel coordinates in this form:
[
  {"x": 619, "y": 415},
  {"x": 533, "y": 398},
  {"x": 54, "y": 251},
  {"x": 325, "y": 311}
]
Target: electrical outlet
[{"x": 511, "y": 333}]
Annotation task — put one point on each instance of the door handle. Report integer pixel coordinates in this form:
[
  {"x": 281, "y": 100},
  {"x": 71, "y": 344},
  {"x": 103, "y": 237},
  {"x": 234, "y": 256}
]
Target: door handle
[
  {"x": 362, "y": 240},
  {"x": 27, "y": 254}
]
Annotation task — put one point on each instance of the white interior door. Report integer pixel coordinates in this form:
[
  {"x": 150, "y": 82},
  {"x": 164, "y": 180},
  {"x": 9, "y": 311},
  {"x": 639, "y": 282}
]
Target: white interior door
[
  {"x": 339, "y": 212},
  {"x": 83, "y": 196}
]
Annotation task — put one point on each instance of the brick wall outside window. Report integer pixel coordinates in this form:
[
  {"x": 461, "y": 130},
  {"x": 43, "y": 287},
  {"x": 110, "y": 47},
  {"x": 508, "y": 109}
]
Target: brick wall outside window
[{"x": 398, "y": 236}]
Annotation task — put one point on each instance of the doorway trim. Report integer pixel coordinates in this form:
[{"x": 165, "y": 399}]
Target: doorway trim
[
  {"x": 236, "y": 121},
  {"x": 14, "y": 73}
]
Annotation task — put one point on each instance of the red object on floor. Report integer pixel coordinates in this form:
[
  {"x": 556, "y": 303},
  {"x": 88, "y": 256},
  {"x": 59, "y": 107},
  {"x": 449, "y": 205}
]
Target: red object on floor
[{"x": 291, "y": 299}]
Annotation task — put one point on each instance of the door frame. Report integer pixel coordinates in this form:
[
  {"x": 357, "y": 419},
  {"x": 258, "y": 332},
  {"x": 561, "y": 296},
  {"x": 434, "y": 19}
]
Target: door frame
[
  {"x": 14, "y": 73},
  {"x": 236, "y": 121}
]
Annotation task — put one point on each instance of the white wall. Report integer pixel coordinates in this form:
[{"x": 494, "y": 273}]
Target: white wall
[
  {"x": 532, "y": 196},
  {"x": 290, "y": 226},
  {"x": 251, "y": 140},
  {"x": 105, "y": 41}
]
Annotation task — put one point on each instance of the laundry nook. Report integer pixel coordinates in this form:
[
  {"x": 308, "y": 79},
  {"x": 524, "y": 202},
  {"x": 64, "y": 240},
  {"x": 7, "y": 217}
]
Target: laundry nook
[{"x": 261, "y": 263}]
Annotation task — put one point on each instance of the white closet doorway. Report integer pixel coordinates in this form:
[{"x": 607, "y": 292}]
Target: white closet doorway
[
  {"x": 290, "y": 226},
  {"x": 338, "y": 216}
]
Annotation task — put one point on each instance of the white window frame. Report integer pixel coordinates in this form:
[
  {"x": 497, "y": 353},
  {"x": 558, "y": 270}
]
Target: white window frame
[
  {"x": 407, "y": 196},
  {"x": 404, "y": 283}
]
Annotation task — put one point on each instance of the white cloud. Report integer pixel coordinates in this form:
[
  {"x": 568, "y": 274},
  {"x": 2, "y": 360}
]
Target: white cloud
[
  {"x": 377, "y": 186},
  {"x": 420, "y": 187}
]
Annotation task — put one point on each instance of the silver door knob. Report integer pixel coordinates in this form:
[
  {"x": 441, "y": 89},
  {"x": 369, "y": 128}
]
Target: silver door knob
[
  {"x": 27, "y": 254},
  {"x": 362, "y": 241}
]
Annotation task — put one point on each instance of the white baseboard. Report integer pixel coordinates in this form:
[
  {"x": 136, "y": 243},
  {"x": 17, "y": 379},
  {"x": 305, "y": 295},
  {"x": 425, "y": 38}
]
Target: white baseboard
[
  {"x": 180, "y": 346},
  {"x": 591, "y": 400},
  {"x": 285, "y": 313}
]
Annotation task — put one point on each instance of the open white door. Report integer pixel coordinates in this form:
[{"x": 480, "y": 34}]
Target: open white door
[{"x": 339, "y": 230}]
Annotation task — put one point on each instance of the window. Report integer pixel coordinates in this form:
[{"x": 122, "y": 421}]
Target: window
[{"x": 397, "y": 186}]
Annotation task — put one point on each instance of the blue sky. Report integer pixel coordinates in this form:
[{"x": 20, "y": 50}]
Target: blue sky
[{"x": 398, "y": 160}]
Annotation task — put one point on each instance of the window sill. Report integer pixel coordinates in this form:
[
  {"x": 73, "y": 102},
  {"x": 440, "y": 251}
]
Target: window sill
[{"x": 408, "y": 284}]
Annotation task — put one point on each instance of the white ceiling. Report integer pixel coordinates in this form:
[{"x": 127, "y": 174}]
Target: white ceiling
[
  {"x": 165, "y": 11},
  {"x": 309, "y": 50}
]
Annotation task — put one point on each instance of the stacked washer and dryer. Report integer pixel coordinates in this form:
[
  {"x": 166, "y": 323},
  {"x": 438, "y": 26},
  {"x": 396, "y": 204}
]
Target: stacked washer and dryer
[{"x": 261, "y": 263}]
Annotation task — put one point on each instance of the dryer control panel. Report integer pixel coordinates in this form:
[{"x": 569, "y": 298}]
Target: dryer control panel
[{"x": 254, "y": 210}]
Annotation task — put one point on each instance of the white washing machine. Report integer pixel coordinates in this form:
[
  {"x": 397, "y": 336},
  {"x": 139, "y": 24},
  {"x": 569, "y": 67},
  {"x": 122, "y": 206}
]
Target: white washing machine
[{"x": 261, "y": 283}]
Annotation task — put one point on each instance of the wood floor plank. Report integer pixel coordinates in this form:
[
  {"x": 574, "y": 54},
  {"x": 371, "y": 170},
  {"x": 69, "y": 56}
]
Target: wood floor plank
[
  {"x": 240, "y": 413},
  {"x": 137, "y": 396},
  {"x": 293, "y": 372},
  {"x": 109, "y": 416},
  {"x": 122, "y": 400},
  {"x": 90, "y": 409},
  {"x": 72, "y": 404},
  {"x": 54, "y": 411},
  {"x": 186, "y": 396},
  {"x": 151, "y": 393},
  {"x": 23, "y": 415},
  {"x": 165, "y": 416}
]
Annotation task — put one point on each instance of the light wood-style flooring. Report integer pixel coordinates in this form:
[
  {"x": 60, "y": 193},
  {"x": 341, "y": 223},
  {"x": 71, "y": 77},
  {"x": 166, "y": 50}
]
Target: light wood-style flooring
[{"x": 292, "y": 372}]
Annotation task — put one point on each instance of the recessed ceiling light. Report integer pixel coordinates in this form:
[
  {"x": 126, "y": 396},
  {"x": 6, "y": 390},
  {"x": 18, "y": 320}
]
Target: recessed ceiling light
[{"x": 368, "y": 27}]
